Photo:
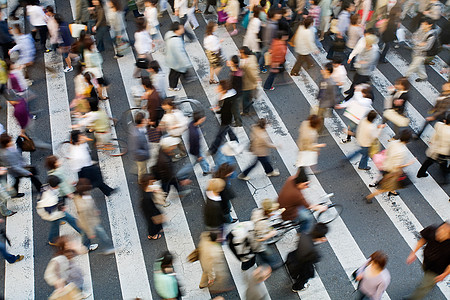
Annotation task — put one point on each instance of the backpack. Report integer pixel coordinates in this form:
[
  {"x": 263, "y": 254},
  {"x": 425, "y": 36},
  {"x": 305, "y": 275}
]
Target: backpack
[{"x": 240, "y": 240}]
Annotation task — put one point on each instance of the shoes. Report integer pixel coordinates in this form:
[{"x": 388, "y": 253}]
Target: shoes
[
  {"x": 206, "y": 173},
  {"x": 234, "y": 32},
  {"x": 368, "y": 201},
  {"x": 167, "y": 203},
  {"x": 213, "y": 81},
  {"x": 12, "y": 214},
  {"x": 117, "y": 56},
  {"x": 294, "y": 74},
  {"x": 346, "y": 140},
  {"x": 174, "y": 89},
  {"x": 67, "y": 69},
  {"x": 18, "y": 195},
  {"x": 114, "y": 190},
  {"x": 18, "y": 258},
  {"x": 422, "y": 175},
  {"x": 52, "y": 244},
  {"x": 274, "y": 173},
  {"x": 243, "y": 177},
  {"x": 93, "y": 247},
  {"x": 271, "y": 89},
  {"x": 393, "y": 194},
  {"x": 296, "y": 290},
  {"x": 245, "y": 114},
  {"x": 365, "y": 169},
  {"x": 108, "y": 251},
  {"x": 264, "y": 70},
  {"x": 419, "y": 80},
  {"x": 207, "y": 13},
  {"x": 373, "y": 184},
  {"x": 383, "y": 61},
  {"x": 234, "y": 221}
]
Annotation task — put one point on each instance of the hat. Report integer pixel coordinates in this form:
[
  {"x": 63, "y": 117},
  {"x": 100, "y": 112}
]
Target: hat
[
  {"x": 371, "y": 39},
  {"x": 269, "y": 205},
  {"x": 231, "y": 148},
  {"x": 301, "y": 176},
  {"x": 169, "y": 142}
]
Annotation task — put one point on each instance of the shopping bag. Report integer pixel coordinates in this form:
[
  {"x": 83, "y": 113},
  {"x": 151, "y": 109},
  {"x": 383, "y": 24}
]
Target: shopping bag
[
  {"x": 75, "y": 29},
  {"x": 356, "y": 112},
  {"x": 374, "y": 148},
  {"x": 307, "y": 158},
  {"x": 68, "y": 292},
  {"x": 378, "y": 159},
  {"x": 396, "y": 118}
]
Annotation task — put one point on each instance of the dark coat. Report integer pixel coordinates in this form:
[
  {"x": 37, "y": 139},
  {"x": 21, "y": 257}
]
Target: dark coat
[
  {"x": 213, "y": 213},
  {"x": 138, "y": 145},
  {"x": 301, "y": 261},
  {"x": 163, "y": 170},
  {"x": 194, "y": 139}
]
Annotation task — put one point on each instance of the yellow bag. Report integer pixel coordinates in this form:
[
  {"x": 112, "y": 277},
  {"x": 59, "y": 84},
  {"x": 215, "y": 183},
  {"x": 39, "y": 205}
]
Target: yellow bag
[{"x": 374, "y": 148}]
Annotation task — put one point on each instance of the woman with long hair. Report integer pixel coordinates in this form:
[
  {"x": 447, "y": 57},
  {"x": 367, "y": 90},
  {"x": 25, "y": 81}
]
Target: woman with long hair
[{"x": 213, "y": 51}]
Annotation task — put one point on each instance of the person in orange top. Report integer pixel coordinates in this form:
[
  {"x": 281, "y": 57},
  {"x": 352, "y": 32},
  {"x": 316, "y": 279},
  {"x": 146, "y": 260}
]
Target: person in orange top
[{"x": 278, "y": 51}]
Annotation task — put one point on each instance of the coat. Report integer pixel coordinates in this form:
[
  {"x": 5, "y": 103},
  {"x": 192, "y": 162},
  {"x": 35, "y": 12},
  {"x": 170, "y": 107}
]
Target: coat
[
  {"x": 176, "y": 55},
  {"x": 88, "y": 218},
  {"x": 300, "y": 262},
  {"x": 164, "y": 168},
  {"x": 251, "y": 39},
  {"x": 395, "y": 156},
  {"x": 81, "y": 11},
  {"x": 260, "y": 141},
  {"x": 12, "y": 159},
  {"x": 139, "y": 145},
  {"x": 225, "y": 111},
  {"x": 210, "y": 257},
  {"x": 307, "y": 137},
  {"x": 291, "y": 198},
  {"x": 440, "y": 141},
  {"x": 212, "y": 212},
  {"x": 251, "y": 77},
  {"x": 304, "y": 41},
  {"x": 278, "y": 50}
]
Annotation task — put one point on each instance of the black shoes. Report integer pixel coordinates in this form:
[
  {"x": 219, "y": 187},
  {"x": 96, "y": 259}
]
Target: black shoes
[{"x": 18, "y": 195}]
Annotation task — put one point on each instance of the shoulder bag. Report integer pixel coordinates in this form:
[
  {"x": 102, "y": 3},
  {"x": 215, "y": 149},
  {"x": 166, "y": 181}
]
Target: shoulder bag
[{"x": 25, "y": 143}]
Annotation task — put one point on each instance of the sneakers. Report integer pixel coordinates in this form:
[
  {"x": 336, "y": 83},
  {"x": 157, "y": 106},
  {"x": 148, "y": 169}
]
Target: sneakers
[
  {"x": 264, "y": 70},
  {"x": 18, "y": 195},
  {"x": 274, "y": 173},
  {"x": 243, "y": 177},
  {"x": 117, "y": 56},
  {"x": 18, "y": 258},
  {"x": 108, "y": 251},
  {"x": 174, "y": 89},
  {"x": 365, "y": 169},
  {"x": 12, "y": 214},
  {"x": 67, "y": 69},
  {"x": 344, "y": 141},
  {"x": 234, "y": 32},
  {"x": 93, "y": 247},
  {"x": 419, "y": 79},
  {"x": 296, "y": 290},
  {"x": 271, "y": 89}
]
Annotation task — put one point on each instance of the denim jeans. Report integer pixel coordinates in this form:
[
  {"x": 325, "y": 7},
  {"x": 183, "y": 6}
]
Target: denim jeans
[
  {"x": 269, "y": 81},
  {"x": 305, "y": 219},
  {"x": 100, "y": 35},
  {"x": 8, "y": 256},
  {"x": 54, "y": 229},
  {"x": 261, "y": 61},
  {"x": 184, "y": 171},
  {"x": 105, "y": 241},
  {"x": 223, "y": 130},
  {"x": 247, "y": 97},
  {"x": 268, "y": 258},
  {"x": 264, "y": 160},
  {"x": 364, "y": 151}
]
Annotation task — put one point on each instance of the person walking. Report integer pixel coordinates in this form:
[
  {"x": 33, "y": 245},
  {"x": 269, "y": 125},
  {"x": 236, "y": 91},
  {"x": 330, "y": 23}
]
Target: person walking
[
  {"x": 251, "y": 37},
  {"x": 6, "y": 39},
  {"x": 177, "y": 59},
  {"x": 154, "y": 102},
  {"x": 278, "y": 50},
  {"x": 143, "y": 44},
  {"x": 213, "y": 51},
  {"x": 55, "y": 168},
  {"x": 423, "y": 39},
  {"x": 213, "y": 216},
  {"x": 194, "y": 142},
  {"x": 373, "y": 277},
  {"x": 139, "y": 146},
  {"x": 181, "y": 11},
  {"x": 101, "y": 27},
  {"x": 250, "y": 79},
  {"x": 268, "y": 34},
  {"x": 236, "y": 75},
  {"x": 226, "y": 97},
  {"x": 395, "y": 105},
  {"x": 436, "y": 258},
  {"x": 260, "y": 144},
  {"x": 25, "y": 48},
  {"x": 152, "y": 214},
  {"x": 38, "y": 20},
  {"x": 89, "y": 216},
  {"x": 300, "y": 262},
  {"x": 165, "y": 278},
  {"x": 439, "y": 150},
  {"x": 389, "y": 33},
  {"x": 116, "y": 20},
  {"x": 10, "y": 258},
  {"x": 307, "y": 141},
  {"x": 225, "y": 171},
  {"x": 366, "y": 134},
  {"x": 327, "y": 96},
  {"x": 305, "y": 46}
]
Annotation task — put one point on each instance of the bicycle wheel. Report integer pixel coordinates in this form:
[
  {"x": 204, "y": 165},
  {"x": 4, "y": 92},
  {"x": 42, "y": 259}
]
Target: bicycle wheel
[
  {"x": 333, "y": 211},
  {"x": 117, "y": 147},
  {"x": 281, "y": 231}
]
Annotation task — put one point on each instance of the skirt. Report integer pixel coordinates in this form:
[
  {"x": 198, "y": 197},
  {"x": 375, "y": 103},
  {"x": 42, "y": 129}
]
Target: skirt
[{"x": 214, "y": 58}]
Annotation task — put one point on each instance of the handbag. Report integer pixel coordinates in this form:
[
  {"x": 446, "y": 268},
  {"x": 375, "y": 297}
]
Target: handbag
[
  {"x": 307, "y": 158},
  {"x": 193, "y": 256},
  {"x": 68, "y": 292},
  {"x": 374, "y": 148},
  {"x": 25, "y": 143},
  {"x": 403, "y": 180},
  {"x": 396, "y": 118},
  {"x": 75, "y": 29},
  {"x": 142, "y": 62},
  {"x": 378, "y": 159}
]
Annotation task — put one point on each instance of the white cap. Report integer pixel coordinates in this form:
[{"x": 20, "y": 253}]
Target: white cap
[{"x": 169, "y": 141}]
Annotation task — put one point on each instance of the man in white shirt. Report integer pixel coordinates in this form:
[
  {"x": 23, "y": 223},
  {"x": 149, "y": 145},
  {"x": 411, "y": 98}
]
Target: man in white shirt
[
  {"x": 39, "y": 21},
  {"x": 181, "y": 10}
]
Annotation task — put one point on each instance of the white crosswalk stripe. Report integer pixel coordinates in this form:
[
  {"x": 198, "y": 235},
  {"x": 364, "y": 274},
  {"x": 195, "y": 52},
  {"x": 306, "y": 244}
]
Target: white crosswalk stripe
[{"x": 132, "y": 269}]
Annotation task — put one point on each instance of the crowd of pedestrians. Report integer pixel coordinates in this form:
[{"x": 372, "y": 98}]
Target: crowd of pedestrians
[{"x": 358, "y": 35}]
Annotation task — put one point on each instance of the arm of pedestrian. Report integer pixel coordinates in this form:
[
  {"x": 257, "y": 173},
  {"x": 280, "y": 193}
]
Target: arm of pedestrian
[
  {"x": 442, "y": 276},
  {"x": 412, "y": 256}
]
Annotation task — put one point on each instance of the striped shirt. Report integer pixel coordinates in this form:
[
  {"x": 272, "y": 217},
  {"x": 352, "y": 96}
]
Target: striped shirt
[{"x": 314, "y": 12}]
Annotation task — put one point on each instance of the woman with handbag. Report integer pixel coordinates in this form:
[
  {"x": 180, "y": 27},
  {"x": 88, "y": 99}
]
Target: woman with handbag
[
  {"x": 394, "y": 106},
  {"x": 143, "y": 44},
  {"x": 213, "y": 51},
  {"x": 373, "y": 277},
  {"x": 307, "y": 142},
  {"x": 439, "y": 150},
  {"x": 152, "y": 214},
  {"x": 394, "y": 176}
]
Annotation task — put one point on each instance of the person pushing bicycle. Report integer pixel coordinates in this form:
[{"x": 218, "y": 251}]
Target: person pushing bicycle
[{"x": 297, "y": 209}]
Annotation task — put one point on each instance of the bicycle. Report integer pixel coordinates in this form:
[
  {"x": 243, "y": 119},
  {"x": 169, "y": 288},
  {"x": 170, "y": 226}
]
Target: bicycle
[{"x": 330, "y": 214}]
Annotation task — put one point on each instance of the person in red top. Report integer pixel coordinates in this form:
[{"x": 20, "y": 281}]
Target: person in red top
[
  {"x": 278, "y": 53},
  {"x": 296, "y": 207}
]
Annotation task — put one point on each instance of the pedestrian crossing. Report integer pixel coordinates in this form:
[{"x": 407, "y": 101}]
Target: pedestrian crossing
[{"x": 348, "y": 246}]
